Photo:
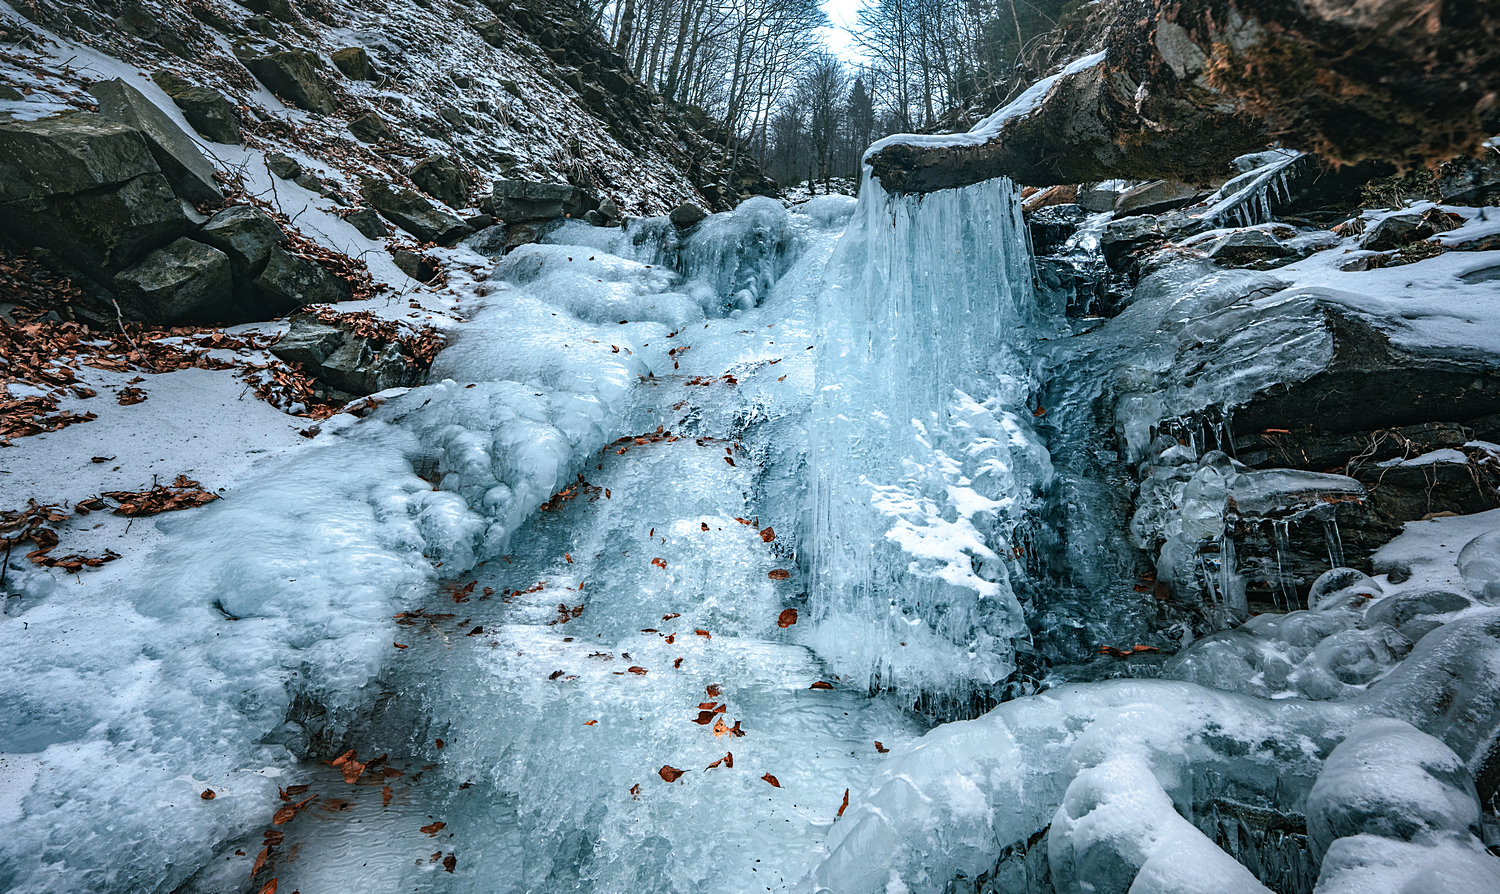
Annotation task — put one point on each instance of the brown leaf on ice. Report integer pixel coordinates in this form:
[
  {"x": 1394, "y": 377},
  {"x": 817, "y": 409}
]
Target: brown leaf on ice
[
  {"x": 269, "y": 888},
  {"x": 844, "y": 806},
  {"x": 208, "y": 794},
  {"x": 385, "y": 796},
  {"x": 705, "y": 718},
  {"x": 771, "y": 779},
  {"x": 438, "y": 743},
  {"x": 659, "y": 562},
  {"x": 821, "y": 685},
  {"x": 729, "y": 459},
  {"x": 668, "y": 617},
  {"x": 768, "y": 534},
  {"x": 260, "y": 860},
  {"x": 779, "y": 574},
  {"x": 635, "y": 792},
  {"x": 881, "y": 748},
  {"x": 590, "y": 722},
  {"x": 727, "y": 760},
  {"x": 433, "y": 828},
  {"x": 669, "y": 773},
  {"x": 450, "y": 863},
  {"x": 713, "y": 689},
  {"x": 787, "y": 618},
  {"x": 677, "y": 662},
  {"x": 703, "y": 525},
  {"x": 671, "y": 638},
  {"x": 703, "y": 633},
  {"x": 637, "y": 670}
]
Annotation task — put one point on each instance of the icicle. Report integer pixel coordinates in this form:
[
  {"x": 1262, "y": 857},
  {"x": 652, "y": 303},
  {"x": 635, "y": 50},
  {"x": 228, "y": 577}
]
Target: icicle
[
  {"x": 1285, "y": 583},
  {"x": 1230, "y": 583},
  {"x": 1335, "y": 543}
]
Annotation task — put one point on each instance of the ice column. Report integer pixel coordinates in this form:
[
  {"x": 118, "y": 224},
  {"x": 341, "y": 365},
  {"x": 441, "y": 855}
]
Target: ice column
[{"x": 922, "y": 457}]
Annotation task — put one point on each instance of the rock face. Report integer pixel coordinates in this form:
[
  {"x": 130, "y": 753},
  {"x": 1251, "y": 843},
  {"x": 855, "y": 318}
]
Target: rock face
[
  {"x": 355, "y": 63},
  {"x": 293, "y": 76},
  {"x": 206, "y": 110},
  {"x": 414, "y": 214},
  {"x": 440, "y": 178},
  {"x": 190, "y": 174},
  {"x": 347, "y": 362},
  {"x": 185, "y": 281},
  {"x": 246, "y": 235},
  {"x": 1185, "y": 87},
  {"x": 287, "y": 282},
  {"x": 89, "y": 189}
]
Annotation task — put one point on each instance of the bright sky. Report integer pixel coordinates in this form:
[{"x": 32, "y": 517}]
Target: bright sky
[{"x": 843, "y": 14}]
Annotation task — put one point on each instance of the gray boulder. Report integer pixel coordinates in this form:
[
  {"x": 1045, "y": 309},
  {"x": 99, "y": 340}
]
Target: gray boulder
[
  {"x": 1245, "y": 247},
  {"x": 1397, "y": 230},
  {"x": 190, "y": 174},
  {"x": 355, "y": 63},
  {"x": 287, "y": 282},
  {"x": 492, "y": 32},
  {"x": 369, "y": 128},
  {"x": 518, "y": 200},
  {"x": 87, "y": 188},
  {"x": 293, "y": 76},
  {"x": 413, "y": 213},
  {"x": 283, "y": 166},
  {"x": 246, "y": 235},
  {"x": 344, "y": 361},
  {"x": 609, "y": 210},
  {"x": 1156, "y": 197},
  {"x": 686, "y": 215},
  {"x": 440, "y": 178},
  {"x": 205, "y": 109},
  {"x": 185, "y": 281},
  {"x": 367, "y": 221}
]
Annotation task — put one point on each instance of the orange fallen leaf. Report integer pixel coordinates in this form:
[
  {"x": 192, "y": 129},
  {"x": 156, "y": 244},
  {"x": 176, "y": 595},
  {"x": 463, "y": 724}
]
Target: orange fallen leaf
[
  {"x": 787, "y": 618},
  {"x": 881, "y": 748},
  {"x": 637, "y": 670},
  {"x": 269, "y": 888},
  {"x": 398, "y": 645},
  {"x": 771, "y": 779},
  {"x": 669, "y": 773},
  {"x": 677, "y": 663},
  {"x": 707, "y": 706},
  {"x": 844, "y": 806},
  {"x": 569, "y": 557},
  {"x": 727, "y": 760},
  {"x": 385, "y": 796},
  {"x": 208, "y": 794},
  {"x": 705, "y": 718},
  {"x": 779, "y": 574},
  {"x": 671, "y": 638},
  {"x": 669, "y": 617},
  {"x": 720, "y": 727},
  {"x": 703, "y": 633},
  {"x": 713, "y": 689},
  {"x": 659, "y": 562},
  {"x": 821, "y": 685},
  {"x": 768, "y": 534},
  {"x": 433, "y": 828},
  {"x": 590, "y": 722},
  {"x": 260, "y": 860}
]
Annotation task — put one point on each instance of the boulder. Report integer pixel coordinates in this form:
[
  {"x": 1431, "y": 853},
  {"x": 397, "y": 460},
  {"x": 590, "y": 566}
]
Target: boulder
[
  {"x": 369, "y": 128},
  {"x": 1470, "y": 181},
  {"x": 283, "y": 166},
  {"x": 686, "y": 215},
  {"x": 205, "y": 109},
  {"x": 87, "y": 188},
  {"x": 1400, "y": 229},
  {"x": 184, "y": 281},
  {"x": 518, "y": 200},
  {"x": 280, "y": 10},
  {"x": 609, "y": 210},
  {"x": 344, "y": 361},
  {"x": 355, "y": 63},
  {"x": 293, "y": 76},
  {"x": 414, "y": 214},
  {"x": 1245, "y": 247},
  {"x": 440, "y": 178},
  {"x": 287, "y": 282},
  {"x": 367, "y": 221},
  {"x": 1098, "y": 198},
  {"x": 492, "y": 32},
  {"x": 246, "y": 235},
  {"x": 414, "y": 265},
  {"x": 190, "y": 174},
  {"x": 1156, "y": 197}
]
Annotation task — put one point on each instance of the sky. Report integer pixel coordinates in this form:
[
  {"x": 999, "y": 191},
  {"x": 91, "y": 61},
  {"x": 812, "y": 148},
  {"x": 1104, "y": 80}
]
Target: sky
[{"x": 843, "y": 16}]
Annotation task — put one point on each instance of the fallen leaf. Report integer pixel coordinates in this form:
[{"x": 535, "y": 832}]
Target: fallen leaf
[
  {"x": 720, "y": 727},
  {"x": 569, "y": 557},
  {"x": 671, "y": 638},
  {"x": 450, "y": 863},
  {"x": 703, "y": 633},
  {"x": 638, "y": 671},
  {"x": 677, "y": 663},
  {"x": 590, "y": 722},
  {"x": 787, "y": 618},
  {"x": 385, "y": 796},
  {"x": 705, "y": 718},
  {"x": 659, "y": 562},
  {"x": 727, "y": 760},
  {"x": 779, "y": 574},
  {"x": 438, "y": 742},
  {"x": 712, "y": 689},
  {"x": 270, "y": 887},
  {"x": 669, "y": 617},
  {"x": 669, "y": 773},
  {"x": 881, "y": 748},
  {"x": 208, "y": 794},
  {"x": 433, "y": 828},
  {"x": 635, "y": 792},
  {"x": 398, "y": 645},
  {"x": 821, "y": 685},
  {"x": 703, "y": 525},
  {"x": 844, "y": 806},
  {"x": 729, "y": 459},
  {"x": 260, "y": 860},
  {"x": 768, "y": 534},
  {"x": 771, "y": 779}
]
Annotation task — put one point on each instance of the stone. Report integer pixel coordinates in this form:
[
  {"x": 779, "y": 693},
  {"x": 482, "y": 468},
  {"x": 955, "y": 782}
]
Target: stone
[
  {"x": 293, "y": 76},
  {"x": 87, "y": 188},
  {"x": 595, "y": 219},
  {"x": 414, "y": 265},
  {"x": 414, "y": 214},
  {"x": 1245, "y": 247},
  {"x": 190, "y": 174},
  {"x": 492, "y": 32},
  {"x": 355, "y": 63},
  {"x": 609, "y": 210},
  {"x": 1156, "y": 197},
  {"x": 1470, "y": 181},
  {"x": 184, "y": 281},
  {"x": 283, "y": 166},
  {"x": 480, "y": 221},
  {"x": 207, "y": 110},
  {"x": 369, "y": 128},
  {"x": 280, "y": 10},
  {"x": 246, "y": 235},
  {"x": 440, "y": 178},
  {"x": 310, "y": 182},
  {"x": 1397, "y": 230},
  {"x": 287, "y": 282},
  {"x": 347, "y": 362},
  {"x": 686, "y": 215},
  {"x": 520, "y": 200},
  {"x": 367, "y": 221},
  {"x": 261, "y": 25},
  {"x": 1097, "y": 199}
]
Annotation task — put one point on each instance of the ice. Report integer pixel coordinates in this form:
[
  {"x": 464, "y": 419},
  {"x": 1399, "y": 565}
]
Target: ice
[
  {"x": 1479, "y": 563},
  {"x": 922, "y": 458}
]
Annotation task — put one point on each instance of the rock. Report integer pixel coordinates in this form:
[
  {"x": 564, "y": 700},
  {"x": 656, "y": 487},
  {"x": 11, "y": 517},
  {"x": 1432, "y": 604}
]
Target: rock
[
  {"x": 1121, "y": 237},
  {"x": 414, "y": 265},
  {"x": 287, "y": 282},
  {"x": 187, "y": 280},
  {"x": 595, "y": 219},
  {"x": 609, "y": 209},
  {"x": 209, "y": 113},
  {"x": 1470, "y": 181},
  {"x": 480, "y": 221},
  {"x": 1245, "y": 247},
  {"x": 369, "y": 128},
  {"x": 522, "y": 200},
  {"x": 246, "y": 235},
  {"x": 1156, "y": 197},
  {"x": 283, "y": 166},
  {"x": 190, "y": 174},
  {"x": 1397, "y": 230},
  {"x": 367, "y": 221},
  {"x": 355, "y": 63},
  {"x": 1098, "y": 198},
  {"x": 87, "y": 188},
  {"x": 280, "y": 10},
  {"x": 492, "y": 32},
  {"x": 261, "y": 25},
  {"x": 440, "y": 178},
  {"x": 293, "y": 76},
  {"x": 686, "y": 215},
  {"x": 345, "y": 361},
  {"x": 310, "y": 182},
  {"x": 414, "y": 214}
]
